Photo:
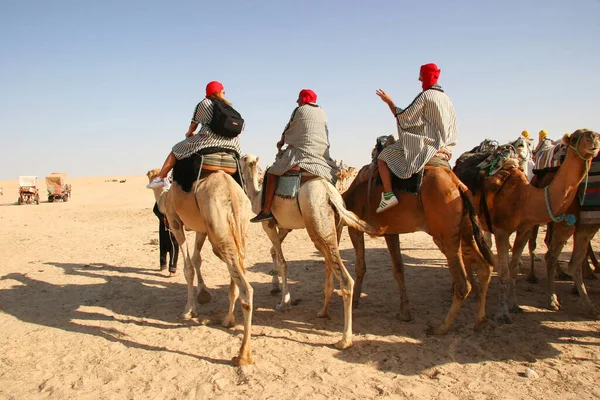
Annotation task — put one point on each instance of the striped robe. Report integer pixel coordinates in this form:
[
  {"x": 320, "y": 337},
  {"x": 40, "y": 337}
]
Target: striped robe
[
  {"x": 427, "y": 125},
  {"x": 307, "y": 140},
  {"x": 205, "y": 138}
]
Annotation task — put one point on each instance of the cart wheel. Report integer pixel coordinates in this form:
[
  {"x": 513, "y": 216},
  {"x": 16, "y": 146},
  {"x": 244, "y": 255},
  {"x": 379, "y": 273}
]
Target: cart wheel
[
  {"x": 50, "y": 199},
  {"x": 65, "y": 198},
  {"x": 20, "y": 201}
]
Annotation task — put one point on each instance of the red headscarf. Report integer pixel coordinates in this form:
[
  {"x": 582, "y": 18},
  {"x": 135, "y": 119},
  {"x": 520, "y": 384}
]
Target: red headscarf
[
  {"x": 213, "y": 87},
  {"x": 429, "y": 75},
  {"x": 307, "y": 96}
]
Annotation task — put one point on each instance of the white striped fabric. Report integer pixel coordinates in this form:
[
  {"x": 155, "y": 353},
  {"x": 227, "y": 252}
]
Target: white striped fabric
[
  {"x": 205, "y": 138},
  {"x": 427, "y": 125},
  {"x": 307, "y": 138}
]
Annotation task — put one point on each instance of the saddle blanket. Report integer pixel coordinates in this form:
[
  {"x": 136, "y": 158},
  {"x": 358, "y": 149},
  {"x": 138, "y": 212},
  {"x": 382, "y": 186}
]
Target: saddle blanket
[
  {"x": 550, "y": 158},
  {"x": 185, "y": 171},
  {"x": 590, "y": 195}
]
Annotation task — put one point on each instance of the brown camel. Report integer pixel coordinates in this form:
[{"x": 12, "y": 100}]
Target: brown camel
[
  {"x": 557, "y": 236},
  {"x": 320, "y": 210},
  {"x": 518, "y": 206},
  {"x": 444, "y": 210},
  {"x": 216, "y": 208}
]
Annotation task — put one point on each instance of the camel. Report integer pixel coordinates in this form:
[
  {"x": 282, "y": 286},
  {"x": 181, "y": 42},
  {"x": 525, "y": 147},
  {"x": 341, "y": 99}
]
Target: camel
[
  {"x": 518, "y": 206},
  {"x": 444, "y": 210},
  {"x": 320, "y": 210},
  {"x": 216, "y": 208},
  {"x": 345, "y": 178},
  {"x": 556, "y": 237}
]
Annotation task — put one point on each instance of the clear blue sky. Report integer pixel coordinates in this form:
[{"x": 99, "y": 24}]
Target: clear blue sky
[{"x": 107, "y": 87}]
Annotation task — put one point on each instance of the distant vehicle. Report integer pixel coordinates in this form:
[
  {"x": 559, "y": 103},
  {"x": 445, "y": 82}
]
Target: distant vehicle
[
  {"x": 58, "y": 189},
  {"x": 28, "y": 191}
]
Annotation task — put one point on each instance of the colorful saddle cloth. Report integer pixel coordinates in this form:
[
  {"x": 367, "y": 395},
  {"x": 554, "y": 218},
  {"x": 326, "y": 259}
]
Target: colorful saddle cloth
[
  {"x": 589, "y": 195},
  {"x": 549, "y": 158}
]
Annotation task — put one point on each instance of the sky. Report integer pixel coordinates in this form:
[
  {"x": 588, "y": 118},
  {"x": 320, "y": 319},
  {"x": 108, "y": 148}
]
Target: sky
[{"x": 106, "y": 88}]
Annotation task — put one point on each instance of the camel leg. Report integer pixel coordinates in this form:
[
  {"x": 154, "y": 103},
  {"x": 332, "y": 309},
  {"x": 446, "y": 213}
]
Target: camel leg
[
  {"x": 327, "y": 291},
  {"x": 476, "y": 262},
  {"x": 461, "y": 284},
  {"x": 531, "y": 278},
  {"x": 233, "y": 294},
  {"x": 279, "y": 260},
  {"x": 322, "y": 231},
  {"x": 521, "y": 240},
  {"x": 502, "y": 246},
  {"x": 556, "y": 238},
  {"x": 176, "y": 227},
  {"x": 581, "y": 240},
  {"x": 246, "y": 294},
  {"x": 593, "y": 259},
  {"x": 393, "y": 245},
  {"x": 203, "y": 296},
  {"x": 488, "y": 238},
  {"x": 358, "y": 242},
  {"x": 462, "y": 287},
  {"x": 274, "y": 272}
]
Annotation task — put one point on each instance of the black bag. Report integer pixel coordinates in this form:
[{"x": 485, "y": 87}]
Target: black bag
[{"x": 225, "y": 121}]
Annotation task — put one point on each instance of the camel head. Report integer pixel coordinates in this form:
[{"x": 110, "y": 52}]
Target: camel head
[
  {"x": 522, "y": 150},
  {"x": 584, "y": 142},
  {"x": 249, "y": 164},
  {"x": 152, "y": 174}
]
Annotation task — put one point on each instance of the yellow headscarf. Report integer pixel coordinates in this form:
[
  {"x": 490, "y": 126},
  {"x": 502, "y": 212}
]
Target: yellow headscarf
[
  {"x": 525, "y": 134},
  {"x": 542, "y": 135}
]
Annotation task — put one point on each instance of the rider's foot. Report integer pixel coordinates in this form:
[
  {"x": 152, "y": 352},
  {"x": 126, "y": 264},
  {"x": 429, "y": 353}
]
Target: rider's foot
[
  {"x": 388, "y": 200},
  {"x": 159, "y": 182},
  {"x": 262, "y": 217}
]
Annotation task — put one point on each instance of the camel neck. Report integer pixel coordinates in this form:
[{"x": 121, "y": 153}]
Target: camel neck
[{"x": 563, "y": 188}]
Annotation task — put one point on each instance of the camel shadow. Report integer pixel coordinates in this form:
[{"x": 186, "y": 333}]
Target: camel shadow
[{"x": 136, "y": 295}]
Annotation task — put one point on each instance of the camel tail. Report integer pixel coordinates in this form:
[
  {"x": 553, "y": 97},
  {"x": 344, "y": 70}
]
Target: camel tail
[
  {"x": 348, "y": 217},
  {"x": 482, "y": 245},
  {"x": 237, "y": 223}
]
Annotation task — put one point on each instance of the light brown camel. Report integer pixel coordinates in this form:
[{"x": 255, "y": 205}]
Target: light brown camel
[
  {"x": 444, "y": 210},
  {"x": 518, "y": 207},
  {"x": 320, "y": 210},
  {"x": 556, "y": 238},
  {"x": 216, "y": 208}
]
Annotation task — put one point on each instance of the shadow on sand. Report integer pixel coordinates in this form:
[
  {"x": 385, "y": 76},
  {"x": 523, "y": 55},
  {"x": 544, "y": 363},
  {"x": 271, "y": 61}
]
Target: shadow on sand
[{"x": 146, "y": 298}]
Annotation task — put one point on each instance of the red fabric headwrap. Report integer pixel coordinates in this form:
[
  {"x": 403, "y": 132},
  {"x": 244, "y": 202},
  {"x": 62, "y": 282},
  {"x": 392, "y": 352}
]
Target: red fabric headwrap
[
  {"x": 429, "y": 75},
  {"x": 308, "y": 96},
  {"x": 213, "y": 87}
]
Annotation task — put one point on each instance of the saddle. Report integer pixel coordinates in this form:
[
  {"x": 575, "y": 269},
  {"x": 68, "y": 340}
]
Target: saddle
[
  {"x": 203, "y": 163},
  {"x": 288, "y": 184}
]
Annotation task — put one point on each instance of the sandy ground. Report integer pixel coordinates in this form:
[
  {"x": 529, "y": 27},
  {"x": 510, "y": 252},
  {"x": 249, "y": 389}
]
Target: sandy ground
[{"x": 86, "y": 314}]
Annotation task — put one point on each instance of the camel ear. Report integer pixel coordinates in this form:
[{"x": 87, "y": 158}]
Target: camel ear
[
  {"x": 257, "y": 158},
  {"x": 566, "y": 139}
]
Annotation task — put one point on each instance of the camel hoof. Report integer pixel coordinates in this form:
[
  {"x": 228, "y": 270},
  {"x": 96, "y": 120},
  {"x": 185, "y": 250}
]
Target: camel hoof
[
  {"x": 228, "y": 322},
  {"x": 343, "y": 344},
  {"x": 241, "y": 361},
  {"x": 204, "y": 297},
  {"x": 405, "y": 316},
  {"x": 323, "y": 314},
  {"x": 503, "y": 318},
  {"x": 283, "y": 307},
  {"x": 532, "y": 279},
  {"x": 437, "y": 331},
  {"x": 275, "y": 290},
  {"x": 516, "y": 310},
  {"x": 188, "y": 315},
  {"x": 481, "y": 325},
  {"x": 172, "y": 274},
  {"x": 554, "y": 305}
]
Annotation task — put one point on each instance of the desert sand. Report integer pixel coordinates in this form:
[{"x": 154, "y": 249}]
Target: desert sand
[{"x": 85, "y": 313}]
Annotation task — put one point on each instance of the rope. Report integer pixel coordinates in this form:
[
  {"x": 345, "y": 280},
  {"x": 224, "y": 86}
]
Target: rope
[{"x": 570, "y": 219}]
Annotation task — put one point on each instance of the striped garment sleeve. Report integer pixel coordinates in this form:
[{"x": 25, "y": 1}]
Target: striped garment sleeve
[
  {"x": 411, "y": 115},
  {"x": 203, "y": 112},
  {"x": 289, "y": 124}
]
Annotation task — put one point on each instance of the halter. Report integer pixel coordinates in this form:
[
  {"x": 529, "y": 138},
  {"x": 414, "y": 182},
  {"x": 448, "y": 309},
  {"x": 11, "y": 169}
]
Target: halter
[{"x": 587, "y": 169}]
